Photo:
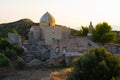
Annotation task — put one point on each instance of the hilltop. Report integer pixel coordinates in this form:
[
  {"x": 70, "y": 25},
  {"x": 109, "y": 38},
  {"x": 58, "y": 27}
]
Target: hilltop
[{"x": 21, "y": 26}]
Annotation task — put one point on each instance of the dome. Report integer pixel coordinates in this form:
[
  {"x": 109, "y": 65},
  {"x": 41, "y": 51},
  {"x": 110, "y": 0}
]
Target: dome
[{"x": 47, "y": 20}]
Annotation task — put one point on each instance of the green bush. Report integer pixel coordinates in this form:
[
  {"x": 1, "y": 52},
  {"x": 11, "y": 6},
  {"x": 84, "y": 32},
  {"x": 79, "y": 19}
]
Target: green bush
[
  {"x": 118, "y": 41},
  {"x": 103, "y": 33},
  {"x": 10, "y": 53},
  {"x": 4, "y": 61},
  {"x": 97, "y": 64},
  {"x": 82, "y": 32},
  {"x": 4, "y": 44},
  {"x": 10, "y": 50},
  {"x": 19, "y": 50}
]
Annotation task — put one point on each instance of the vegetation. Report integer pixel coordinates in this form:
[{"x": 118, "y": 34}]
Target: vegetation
[
  {"x": 117, "y": 35},
  {"x": 118, "y": 41},
  {"x": 75, "y": 32},
  {"x": 9, "y": 52},
  {"x": 103, "y": 33},
  {"x": 4, "y": 61},
  {"x": 60, "y": 75},
  {"x": 21, "y": 27},
  {"x": 14, "y": 31},
  {"x": 82, "y": 32},
  {"x": 4, "y": 44},
  {"x": 96, "y": 64}
]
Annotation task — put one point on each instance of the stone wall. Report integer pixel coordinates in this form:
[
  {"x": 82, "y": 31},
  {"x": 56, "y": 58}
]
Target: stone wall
[
  {"x": 113, "y": 48},
  {"x": 72, "y": 45}
]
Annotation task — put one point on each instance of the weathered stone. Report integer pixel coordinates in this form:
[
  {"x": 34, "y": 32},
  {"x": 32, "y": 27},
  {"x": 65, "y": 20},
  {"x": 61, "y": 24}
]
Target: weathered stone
[
  {"x": 45, "y": 55},
  {"x": 37, "y": 55},
  {"x": 21, "y": 59},
  {"x": 14, "y": 38},
  {"x": 113, "y": 48},
  {"x": 57, "y": 60},
  {"x": 28, "y": 58},
  {"x": 34, "y": 63},
  {"x": 24, "y": 48},
  {"x": 70, "y": 56},
  {"x": 41, "y": 55}
]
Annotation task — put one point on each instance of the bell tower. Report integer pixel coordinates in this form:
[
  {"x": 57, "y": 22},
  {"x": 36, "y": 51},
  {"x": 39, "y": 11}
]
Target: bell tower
[{"x": 90, "y": 29}]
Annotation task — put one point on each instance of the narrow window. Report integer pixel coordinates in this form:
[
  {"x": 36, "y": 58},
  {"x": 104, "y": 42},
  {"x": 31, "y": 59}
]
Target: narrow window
[{"x": 49, "y": 24}]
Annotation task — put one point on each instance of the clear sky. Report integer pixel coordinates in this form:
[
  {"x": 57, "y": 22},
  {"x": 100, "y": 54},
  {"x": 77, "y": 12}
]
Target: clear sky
[{"x": 72, "y": 13}]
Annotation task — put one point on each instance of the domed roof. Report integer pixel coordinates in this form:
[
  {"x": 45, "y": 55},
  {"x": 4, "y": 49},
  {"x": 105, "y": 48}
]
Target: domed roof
[{"x": 47, "y": 20}]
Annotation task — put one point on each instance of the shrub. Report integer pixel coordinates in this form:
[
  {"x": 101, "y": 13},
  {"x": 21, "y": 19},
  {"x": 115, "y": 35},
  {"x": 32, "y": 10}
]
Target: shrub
[
  {"x": 10, "y": 50},
  {"x": 4, "y": 61},
  {"x": 4, "y": 44},
  {"x": 103, "y": 33},
  {"x": 97, "y": 64},
  {"x": 82, "y": 32},
  {"x": 19, "y": 50},
  {"x": 10, "y": 53}
]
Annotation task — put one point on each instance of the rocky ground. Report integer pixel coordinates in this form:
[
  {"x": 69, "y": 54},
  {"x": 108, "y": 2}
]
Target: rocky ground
[{"x": 36, "y": 74}]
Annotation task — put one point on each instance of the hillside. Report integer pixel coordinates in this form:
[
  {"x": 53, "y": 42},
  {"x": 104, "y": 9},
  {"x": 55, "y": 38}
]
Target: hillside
[{"x": 22, "y": 27}]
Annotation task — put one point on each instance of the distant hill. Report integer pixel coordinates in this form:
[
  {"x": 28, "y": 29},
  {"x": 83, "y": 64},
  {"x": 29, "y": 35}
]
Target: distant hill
[{"x": 21, "y": 26}]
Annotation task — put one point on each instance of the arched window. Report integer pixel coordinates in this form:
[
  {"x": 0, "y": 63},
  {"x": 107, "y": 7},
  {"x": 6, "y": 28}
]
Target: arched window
[
  {"x": 57, "y": 50},
  {"x": 64, "y": 50}
]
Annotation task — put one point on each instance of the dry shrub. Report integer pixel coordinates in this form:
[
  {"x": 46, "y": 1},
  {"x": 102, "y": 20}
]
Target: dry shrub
[{"x": 60, "y": 75}]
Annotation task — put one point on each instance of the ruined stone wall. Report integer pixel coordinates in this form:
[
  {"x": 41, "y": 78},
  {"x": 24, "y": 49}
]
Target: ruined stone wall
[{"x": 71, "y": 45}]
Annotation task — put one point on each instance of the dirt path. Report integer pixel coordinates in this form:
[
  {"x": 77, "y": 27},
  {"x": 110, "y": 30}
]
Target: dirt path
[
  {"x": 40, "y": 74},
  {"x": 29, "y": 75}
]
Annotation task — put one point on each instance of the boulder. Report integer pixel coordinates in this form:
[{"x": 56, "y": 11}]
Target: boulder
[
  {"x": 37, "y": 55},
  {"x": 28, "y": 58},
  {"x": 44, "y": 56},
  {"x": 57, "y": 61},
  {"x": 70, "y": 56},
  {"x": 14, "y": 38},
  {"x": 34, "y": 63},
  {"x": 41, "y": 55}
]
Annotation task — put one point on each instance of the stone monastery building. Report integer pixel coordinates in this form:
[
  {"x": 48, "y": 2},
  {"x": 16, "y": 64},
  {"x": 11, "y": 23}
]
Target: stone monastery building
[{"x": 47, "y": 31}]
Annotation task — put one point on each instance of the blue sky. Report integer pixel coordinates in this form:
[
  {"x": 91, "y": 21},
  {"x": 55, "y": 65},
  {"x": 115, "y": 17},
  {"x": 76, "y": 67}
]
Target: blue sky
[{"x": 72, "y": 13}]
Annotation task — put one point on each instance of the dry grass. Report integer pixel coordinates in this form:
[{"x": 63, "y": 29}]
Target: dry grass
[{"x": 60, "y": 75}]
